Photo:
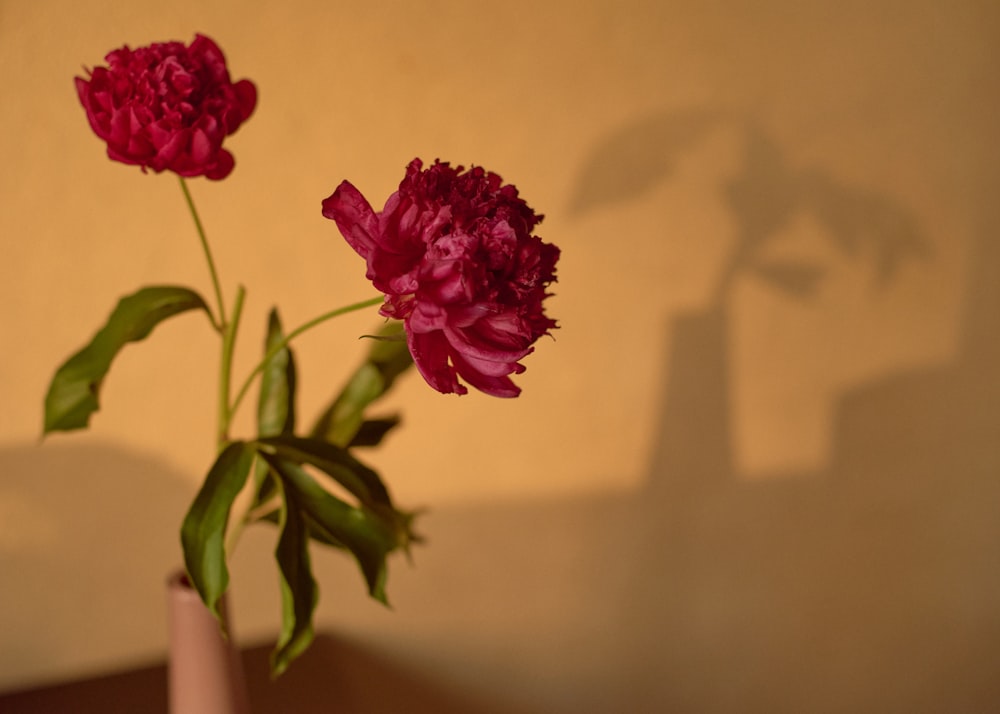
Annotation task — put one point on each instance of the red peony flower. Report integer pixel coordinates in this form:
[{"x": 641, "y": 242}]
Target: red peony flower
[
  {"x": 168, "y": 107},
  {"x": 454, "y": 253}
]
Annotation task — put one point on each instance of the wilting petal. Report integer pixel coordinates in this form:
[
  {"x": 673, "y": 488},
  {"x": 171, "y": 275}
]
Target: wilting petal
[
  {"x": 495, "y": 386},
  {"x": 430, "y": 355},
  {"x": 354, "y": 217},
  {"x": 474, "y": 347}
]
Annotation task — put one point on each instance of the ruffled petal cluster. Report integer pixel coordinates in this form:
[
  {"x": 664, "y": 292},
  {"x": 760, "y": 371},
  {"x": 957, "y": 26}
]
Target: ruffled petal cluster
[
  {"x": 455, "y": 254},
  {"x": 167, "y": 107}
]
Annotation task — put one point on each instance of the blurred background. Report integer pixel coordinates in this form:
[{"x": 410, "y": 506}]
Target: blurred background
[{"x": 757, "y": 468}]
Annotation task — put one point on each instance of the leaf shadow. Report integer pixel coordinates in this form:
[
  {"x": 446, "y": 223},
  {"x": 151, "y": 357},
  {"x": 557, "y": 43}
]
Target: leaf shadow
[{"x": 765, "y": 195}]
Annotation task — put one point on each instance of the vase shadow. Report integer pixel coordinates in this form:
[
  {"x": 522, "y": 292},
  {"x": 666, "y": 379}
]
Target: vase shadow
[{"x": 867, "y": 585}]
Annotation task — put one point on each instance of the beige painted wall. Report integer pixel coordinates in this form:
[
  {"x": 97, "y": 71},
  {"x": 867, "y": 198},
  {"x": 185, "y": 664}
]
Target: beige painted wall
[{"x": 759, "y": 461}]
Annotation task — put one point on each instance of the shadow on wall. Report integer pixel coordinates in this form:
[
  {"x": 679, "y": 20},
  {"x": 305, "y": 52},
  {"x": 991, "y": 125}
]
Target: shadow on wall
[
  {"x": 74, "y": 520},
  {"x": 872, "y": 586},
  {"x": 63, "y": 502},
  {"x": 763, "y": 199}
]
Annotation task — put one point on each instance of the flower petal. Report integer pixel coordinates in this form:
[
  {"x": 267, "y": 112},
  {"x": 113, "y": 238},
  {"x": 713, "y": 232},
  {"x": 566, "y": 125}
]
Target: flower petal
[
  {"x": 495, "y": 386},
  {"x": 354, "y": 217},
  {"x": 430, "y": 355}
]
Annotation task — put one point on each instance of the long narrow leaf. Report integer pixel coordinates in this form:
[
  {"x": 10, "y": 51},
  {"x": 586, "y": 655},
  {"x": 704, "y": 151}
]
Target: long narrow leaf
[
  {"x": 372, "y": 431},
  {"x": 365, "y": 533},
  {"x": 274, "y": 517},
  {"x": 276, "y": 403},
  {"x": 74, "y": 391},
  {"x": 299, "y": 593},
  {"x": 360, "y": 480},
  {"x": 203, "y": 532}
]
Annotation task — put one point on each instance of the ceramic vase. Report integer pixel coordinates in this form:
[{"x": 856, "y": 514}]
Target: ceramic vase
[{"x": 204, "y": 670}]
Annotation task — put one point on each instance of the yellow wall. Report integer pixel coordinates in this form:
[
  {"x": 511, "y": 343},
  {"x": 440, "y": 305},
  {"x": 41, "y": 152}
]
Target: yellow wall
[{"x": 761, "y": 453}]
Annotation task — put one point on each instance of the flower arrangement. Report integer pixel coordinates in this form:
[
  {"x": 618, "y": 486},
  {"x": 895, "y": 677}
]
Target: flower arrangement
[{"x": 463, "y": 281}]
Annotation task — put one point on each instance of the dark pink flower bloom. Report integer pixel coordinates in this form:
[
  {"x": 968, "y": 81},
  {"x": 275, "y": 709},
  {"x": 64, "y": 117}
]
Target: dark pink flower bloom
[
  {"x": 454, "y": 253},
  {"x": 167, "y": 107}
]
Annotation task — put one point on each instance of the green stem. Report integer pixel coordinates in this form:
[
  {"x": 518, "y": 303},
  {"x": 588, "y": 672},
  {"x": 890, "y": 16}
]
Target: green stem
[
  {"x": 226, "y": 368},
  {"x": 220, "y": 324},
  {"x": 280, "y": 345}
]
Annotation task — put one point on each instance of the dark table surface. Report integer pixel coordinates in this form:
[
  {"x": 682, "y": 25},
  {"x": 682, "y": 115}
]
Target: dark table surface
[{"x": 333, "y": 676}]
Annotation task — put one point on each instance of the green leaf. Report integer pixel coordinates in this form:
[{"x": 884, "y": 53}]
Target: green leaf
[
  {"x": 73, "y": 392},
  {"x": 367, "y": 534},
  {"x": 372, "y": 431},
  {"x": 275, "y": 516},
  {"x": 360, "y": 480},
  {"x": 299, "y": 593},
  {"x": 276, "y": 403},
  {"x": 203, "y": 532},
  {"x": 387, "y": 358}
]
